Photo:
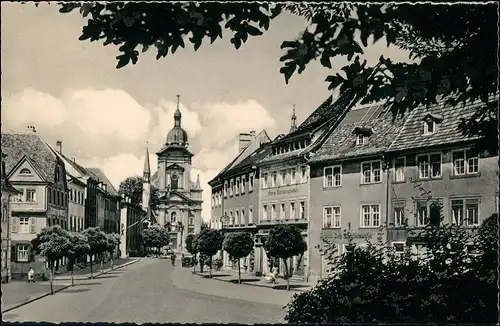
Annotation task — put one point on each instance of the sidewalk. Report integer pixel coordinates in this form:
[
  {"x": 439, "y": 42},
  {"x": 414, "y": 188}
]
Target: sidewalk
[
  {"x": 84, "y": 273},
  {"x": 231, "y": 276},
  {"x": 20, "y": 293}
]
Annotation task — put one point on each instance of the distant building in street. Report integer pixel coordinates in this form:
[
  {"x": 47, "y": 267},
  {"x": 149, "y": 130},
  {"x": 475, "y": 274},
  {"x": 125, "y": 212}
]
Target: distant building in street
[
  {"x": 131, "y": 226},
  {"x": 235, "y": 191},
  {"x": 180, "y": 198},
  {"x": 108, "y": 203},
  {"x": 7, "y": 192},
  {"x": 38, "y": 173}
]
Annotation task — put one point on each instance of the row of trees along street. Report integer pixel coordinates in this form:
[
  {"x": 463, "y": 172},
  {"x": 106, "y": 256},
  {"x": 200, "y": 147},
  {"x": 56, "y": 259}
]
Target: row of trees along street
[
  {"x": 283, "y": 242},
  {"x": 453, "y": 56},
  {"x": 55, "y": 243}
]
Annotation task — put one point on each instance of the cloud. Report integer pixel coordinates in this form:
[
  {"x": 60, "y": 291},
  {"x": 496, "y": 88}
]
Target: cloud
[{"x": 108, "y": 129}]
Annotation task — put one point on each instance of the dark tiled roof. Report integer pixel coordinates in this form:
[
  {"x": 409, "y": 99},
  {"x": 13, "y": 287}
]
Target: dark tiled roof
[
  {"x": 447, "y": 132},
  {"x": 41, "y": 156},
  {"x": 99, "y": 175},
  {"x": 247, "y": 162},
  {"x": 341, "y": 143}
]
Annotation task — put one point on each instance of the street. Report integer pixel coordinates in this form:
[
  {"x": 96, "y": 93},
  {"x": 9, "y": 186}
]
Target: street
[{"x": 154, "y": 291}]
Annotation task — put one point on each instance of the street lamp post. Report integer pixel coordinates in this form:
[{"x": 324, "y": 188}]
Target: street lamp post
[{"x": 180, "y": 227}]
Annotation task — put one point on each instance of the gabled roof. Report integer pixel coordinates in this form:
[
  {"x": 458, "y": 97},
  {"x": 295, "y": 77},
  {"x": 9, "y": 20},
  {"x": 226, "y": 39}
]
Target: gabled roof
[
  {"x": 99, "y": 175},
  {"x": 17, "y": 145},
  {"x": 447, "y": 132},
  {"x": 341, "y": 143},
  {"x": 174, "y": 147}
]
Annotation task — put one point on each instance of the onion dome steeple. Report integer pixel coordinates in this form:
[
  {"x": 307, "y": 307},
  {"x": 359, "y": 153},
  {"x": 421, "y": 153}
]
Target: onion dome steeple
[{"x": 177, "y": 136}]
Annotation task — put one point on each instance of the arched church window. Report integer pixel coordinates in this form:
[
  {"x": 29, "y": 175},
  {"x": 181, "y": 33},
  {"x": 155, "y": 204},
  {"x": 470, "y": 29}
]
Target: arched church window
[
  {"x": 173, "y": 217},
  {"x": 175, "y": 181},
  {"x": 25, "y": 171}
]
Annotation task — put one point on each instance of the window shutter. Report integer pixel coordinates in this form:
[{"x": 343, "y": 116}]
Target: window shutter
[
  {"x": 31, "y": 255},
  {"x": 14, "y": 225},
  {"x": 32, "y": 224},
  {"x": 13, "y": 253}
]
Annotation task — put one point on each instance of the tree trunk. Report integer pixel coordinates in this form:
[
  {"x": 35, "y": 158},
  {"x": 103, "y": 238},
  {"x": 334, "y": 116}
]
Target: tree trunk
[
  {"x": 91, "y": 267},
  {"x": 286, "y": 275},
  {"x": 72, "y": 277},
  {"x": 51, "y": 269},
  {"x": 102, "y": 262},
  {"x": 210, "y": 260},
  {"x": 239, "y": 272}
]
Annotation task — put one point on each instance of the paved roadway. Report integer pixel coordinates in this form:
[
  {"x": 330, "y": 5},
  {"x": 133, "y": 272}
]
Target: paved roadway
[{"x": 154, "y": 291}]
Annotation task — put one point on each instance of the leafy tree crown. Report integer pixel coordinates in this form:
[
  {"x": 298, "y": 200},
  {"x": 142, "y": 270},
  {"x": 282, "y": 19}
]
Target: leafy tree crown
[
  {"x": 284, "y": 241},
  {"x": 238, "y": 245}
]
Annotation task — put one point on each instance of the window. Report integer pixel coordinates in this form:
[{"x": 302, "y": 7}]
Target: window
[
  {"x": 173, "y": 218},
  {"x": 429, "y": 127},
  {"x": 243, "y": 184},
  {"x": 331, "y": 217},
  {"x": 293, "y": 177},
  {"x": 303, "y": 174},
  {"x": 250, "y": 182},
  {"x": 25, "y": 171},
  {"x": 422, "y": 213},
  {"x": 399, "y": 214},
  {"x": 361, "y": 139},
  {"x": 191, "y": 221},
  {"x": 273, "y": 212},
  {"x": 238, "y": 187},
  {"x": 465, "y": 211},
  {"x": 264, "y": 213},
  {"x": 370, "y": 215},
  {"x": 213, "y": 201},
  {"x": 265, "y": 181},
  {"x": 243, "y": 217},
  {"x": 399, "y": 169},
  {"x": 20, "y": 197},
  {"x": 231, "y": 218},
  {"x": 231, "y": 188},
  {"x": 236, "y": 217},
  {"x": 292, "y": 211},
  {"x": 399, "y": 247},
  {"x": 283, "y": 178},
  {"x": 23, "y": 253},
  {"x": 371, "y": 172},
  {"x": 24, "y": 225},
  {"x": 225, "y": 189},
  {"x": 250, "y": 215},
  {"x": 274, "y": 179},
  {"x": 302, "y": 209},
  {"x": 429, "y": 166},
  {"x": 282, "y": 211},
  {"x": 332, "y": 176},
  {"x": 465, "y": 163}
]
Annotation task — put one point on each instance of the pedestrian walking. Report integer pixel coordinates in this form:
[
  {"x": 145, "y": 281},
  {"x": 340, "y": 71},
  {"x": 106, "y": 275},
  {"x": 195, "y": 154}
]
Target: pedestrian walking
[
  {"x": 31, "y": 275},
  {"x": 172, "y": 258}
]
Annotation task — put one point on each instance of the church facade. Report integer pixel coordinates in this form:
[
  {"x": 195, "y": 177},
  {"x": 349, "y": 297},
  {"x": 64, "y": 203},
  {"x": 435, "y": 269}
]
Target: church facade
[{"x": 180, "y": 198}]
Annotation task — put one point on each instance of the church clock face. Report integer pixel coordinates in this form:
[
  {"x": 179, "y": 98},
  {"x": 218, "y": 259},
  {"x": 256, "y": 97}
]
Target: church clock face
[
  {"x": 175, "y": 181},
  {"x": 175, "y": 176}
]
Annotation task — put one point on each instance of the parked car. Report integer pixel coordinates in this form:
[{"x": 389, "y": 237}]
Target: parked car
[{"x": 188, "y": 261}]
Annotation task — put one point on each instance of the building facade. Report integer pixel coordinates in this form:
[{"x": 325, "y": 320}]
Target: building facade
[
  {"x": 39, "y": 175},
  {"x": 235, "y": 192},
  {"x": 131, "y": 226},
  {"x": 108, "y": 203},
  {"x": 180, "y": 198},
  {"x": 7, "y": 192}
]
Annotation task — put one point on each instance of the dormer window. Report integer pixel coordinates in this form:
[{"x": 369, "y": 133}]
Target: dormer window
[
  {"x": 362, "y": 135},
  {"x": 431, "y": 122},
  {"x": 25, "y": 171}
]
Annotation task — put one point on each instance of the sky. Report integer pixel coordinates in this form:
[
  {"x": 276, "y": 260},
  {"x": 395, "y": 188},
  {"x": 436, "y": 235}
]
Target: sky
[{"x": 71, "y": 91}]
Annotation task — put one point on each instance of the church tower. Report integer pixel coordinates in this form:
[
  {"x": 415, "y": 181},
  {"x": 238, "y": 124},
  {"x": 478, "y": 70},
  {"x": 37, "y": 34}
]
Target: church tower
[
  {"x": 146, "y": 183},
  {"x": 293, "y": 127}
]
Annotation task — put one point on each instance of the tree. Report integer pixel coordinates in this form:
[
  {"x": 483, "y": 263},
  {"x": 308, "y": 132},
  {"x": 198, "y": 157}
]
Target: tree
[
  {"x": 284, "y": 242},
  {"x": 238, "y": 245},
  {"x": 54, "y": 244},
  {"x": 444, "y": 283},
  {"x": 79, "y": 246},
  {"x": 204, "y": 225},
  {"x": 98, "y": 242},
  {"x": 208, "y": 243},
  {"x": 155, "y": 237},
  {"x": 191, "y": 247},
  {"x": 113, "y": 241},
  {"x": 132, "y": 187},
  {"x": 451, "y": 58}
]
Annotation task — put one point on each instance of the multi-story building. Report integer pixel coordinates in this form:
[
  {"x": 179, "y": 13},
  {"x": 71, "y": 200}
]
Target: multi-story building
[
  {"x": 131, "y": 226},
  {"x": 235, "y": 191},
  {"x": 7, "y": 191},
  {"x": 433, "y": 162},
  {"x": 108, "y": 203},
  {"x": 39, "y": 175},
  {"x": 349, "y": 182},
  {"x": 180, "y": 198},
  {"x": 374, "y": 170}
]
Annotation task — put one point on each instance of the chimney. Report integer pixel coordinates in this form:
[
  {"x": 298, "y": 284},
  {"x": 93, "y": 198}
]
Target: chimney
[
  {"x": 252, "y": 133},
  {"x": 59, "y": 144},
  {"x": 244, "y": 140},
  {"x": 74, "y": 161}
]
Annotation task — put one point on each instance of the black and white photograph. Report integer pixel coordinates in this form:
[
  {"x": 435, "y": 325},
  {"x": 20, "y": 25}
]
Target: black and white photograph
[{"x": 250, "y": 162}]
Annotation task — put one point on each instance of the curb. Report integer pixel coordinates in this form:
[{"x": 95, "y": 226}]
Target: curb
[
  {"x": 253, "y": 284},
  {"x": 38, "y": 297},
  {"x": 83, "y": 277}
]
